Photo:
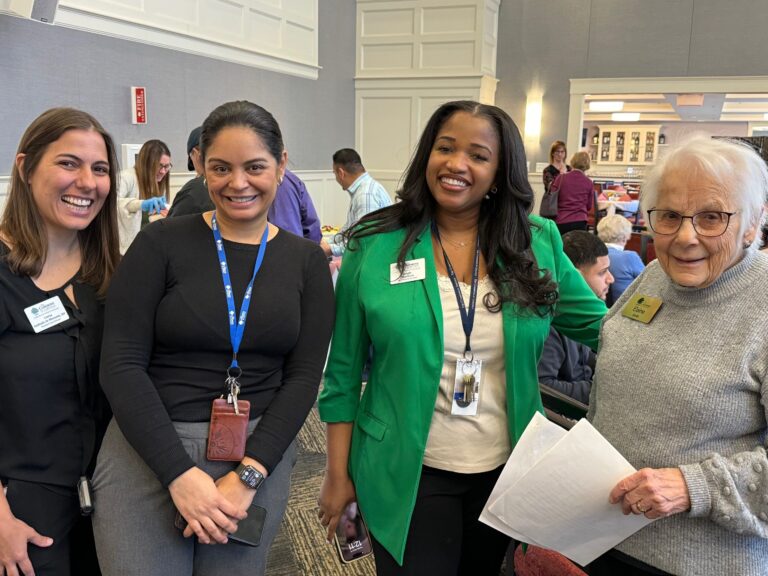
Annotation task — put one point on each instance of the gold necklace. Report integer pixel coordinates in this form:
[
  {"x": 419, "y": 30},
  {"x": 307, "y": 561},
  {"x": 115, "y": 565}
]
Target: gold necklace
[{"x": 457, "y": 243}]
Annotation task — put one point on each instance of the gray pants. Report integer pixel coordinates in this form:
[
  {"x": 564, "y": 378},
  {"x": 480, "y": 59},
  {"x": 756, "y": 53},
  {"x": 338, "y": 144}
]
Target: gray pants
[{"x": 134, "y": 514}]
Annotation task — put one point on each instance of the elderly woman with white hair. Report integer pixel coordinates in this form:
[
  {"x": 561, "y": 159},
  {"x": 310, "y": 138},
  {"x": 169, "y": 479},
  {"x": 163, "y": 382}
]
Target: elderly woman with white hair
[
  {"x": 615, "y": 231},
  {"x": 688, "y": 408}
]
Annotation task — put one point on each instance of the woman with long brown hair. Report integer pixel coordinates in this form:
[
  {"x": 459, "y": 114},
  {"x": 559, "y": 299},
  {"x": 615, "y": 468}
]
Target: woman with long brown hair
[
  {"x": 58, "y": 251},
  {"x": 144, "y": 190}
]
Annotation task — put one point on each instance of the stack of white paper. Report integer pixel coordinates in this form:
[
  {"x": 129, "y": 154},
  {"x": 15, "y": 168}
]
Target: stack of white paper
[{"x": 554, "y": 490}]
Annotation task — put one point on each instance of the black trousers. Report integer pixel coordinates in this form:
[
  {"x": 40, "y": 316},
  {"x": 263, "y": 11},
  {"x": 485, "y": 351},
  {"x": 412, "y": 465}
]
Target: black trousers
[
  {"x": 568, "y": 226},
  {"x": 54, "y": 511},
  {"x": 614, "y": 562},
  {"x": 445, "y": 537}
]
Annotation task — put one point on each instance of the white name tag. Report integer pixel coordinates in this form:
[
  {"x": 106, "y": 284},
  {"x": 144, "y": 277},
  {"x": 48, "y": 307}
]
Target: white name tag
[
  {"x": 45, "y": 314},
  {"x": 414, "y": 270}
]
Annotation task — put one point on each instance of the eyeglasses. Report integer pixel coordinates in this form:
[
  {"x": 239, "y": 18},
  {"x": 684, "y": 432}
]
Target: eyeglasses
[
  {"x": 166, "y": 167},
  {"x": 709, "y": 223}
]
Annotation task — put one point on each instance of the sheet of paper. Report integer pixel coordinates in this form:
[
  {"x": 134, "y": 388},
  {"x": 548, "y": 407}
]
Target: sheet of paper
[
  {"x": 538, "y": 437},
  {"x": 561, "y": 501}
]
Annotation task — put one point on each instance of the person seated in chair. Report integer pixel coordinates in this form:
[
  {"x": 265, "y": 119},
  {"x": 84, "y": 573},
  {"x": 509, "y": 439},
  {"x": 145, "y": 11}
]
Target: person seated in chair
[
  {"x": 566, "y": 365},
  {"x": 626, "y": 265}
]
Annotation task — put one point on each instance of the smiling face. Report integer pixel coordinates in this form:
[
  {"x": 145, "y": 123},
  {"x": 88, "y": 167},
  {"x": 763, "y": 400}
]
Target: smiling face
[
  {"x": 71, "y": 181},
  {"x": 242, "y": 175},
  {"x": 462, "y": 165},
  {"x": 688, "y": 258}
]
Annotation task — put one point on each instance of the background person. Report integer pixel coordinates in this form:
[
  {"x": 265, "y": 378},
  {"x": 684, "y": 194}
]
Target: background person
[
  {"x": 683, "y": 396},
  {"x": 576, "y": 195},
  {"x": 420, "y": 468},
  {"x": 366, "y": 195},
  {"x": 566, "y": 365},
  {"x": 557, "y": 154},
  {"x": 145, "y": 188},
  {"x": 193, "y": 197},
  {"x": 626, "y": 265},
  {"x": 58, "y": 240},
  {"x": 166, "y": 351}
]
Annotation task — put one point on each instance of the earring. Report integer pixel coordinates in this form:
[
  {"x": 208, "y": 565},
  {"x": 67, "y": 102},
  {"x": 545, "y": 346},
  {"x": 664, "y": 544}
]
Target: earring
[
  {"x": 279, "y": 180},
  {"x": 487, "y": 197},
  {"x": 494, "y": 189},
  {"x": 205, "y": 182}
]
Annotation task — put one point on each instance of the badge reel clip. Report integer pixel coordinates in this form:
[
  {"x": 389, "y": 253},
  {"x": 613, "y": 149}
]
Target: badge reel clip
[{"x": 466, "y": 385}]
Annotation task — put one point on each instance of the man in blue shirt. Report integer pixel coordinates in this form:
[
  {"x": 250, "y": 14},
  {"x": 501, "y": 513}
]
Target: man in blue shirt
[{"x": 366, "y": 194}]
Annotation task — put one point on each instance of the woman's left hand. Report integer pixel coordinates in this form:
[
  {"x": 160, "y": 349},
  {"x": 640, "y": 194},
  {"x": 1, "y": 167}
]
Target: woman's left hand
[{"x": 653, "y": 492}]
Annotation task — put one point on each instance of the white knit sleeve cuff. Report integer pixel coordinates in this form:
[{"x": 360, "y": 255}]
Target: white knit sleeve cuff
[{"x": 698, "y": 491}]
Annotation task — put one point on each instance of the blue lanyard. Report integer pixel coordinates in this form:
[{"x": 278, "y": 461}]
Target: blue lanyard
[
  {"x": 467, "y": 317},
  {"x": 236, "y": 329}
]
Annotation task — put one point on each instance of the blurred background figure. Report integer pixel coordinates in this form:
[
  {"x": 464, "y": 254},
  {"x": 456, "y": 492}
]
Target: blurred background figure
[
  {"x": 567, "y": 365},
  {"x": 58, "y": 251},
  {"x": 576, "y": 195},
  {"x": 626, "y": 265},
  {"x": 193, "y": 197},
  {"x": 557, "y": 165},
  {"x": 144, "y": 190}
]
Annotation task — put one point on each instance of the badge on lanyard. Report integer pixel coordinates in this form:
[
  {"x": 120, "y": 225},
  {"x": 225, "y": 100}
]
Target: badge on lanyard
[
  {"x": 229, "y": 417},
  {"x": 641, "y": 308},
  {"x": 466, "y": 390},
  {"x": 45, "y": 314}
]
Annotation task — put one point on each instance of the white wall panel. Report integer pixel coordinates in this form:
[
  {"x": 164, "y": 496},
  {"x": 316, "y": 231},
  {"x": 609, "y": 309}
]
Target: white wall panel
[
  {"x": 455, "y": 56},
  {"x": 387, "y": 23},
  {"x": 272, "y": 34},
  {"x": 384, "y": 129},
  {"x": 449, "y": 20},
  {"x": 387, "y": 57}
]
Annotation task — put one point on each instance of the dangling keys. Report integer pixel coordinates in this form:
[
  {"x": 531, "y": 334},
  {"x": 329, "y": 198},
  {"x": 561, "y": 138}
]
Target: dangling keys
[{"x": 233, "y": 387}]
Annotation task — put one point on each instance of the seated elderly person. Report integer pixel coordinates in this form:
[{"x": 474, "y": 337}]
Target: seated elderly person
[
  {"x": 626, "y": 265},
  {"x": 565, "y": 364},
  {"x": 687, "y": 405}
]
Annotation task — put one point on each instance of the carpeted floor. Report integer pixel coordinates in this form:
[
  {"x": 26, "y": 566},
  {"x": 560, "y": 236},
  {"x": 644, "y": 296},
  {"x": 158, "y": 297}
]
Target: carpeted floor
[{"x": 300, "y": 548}]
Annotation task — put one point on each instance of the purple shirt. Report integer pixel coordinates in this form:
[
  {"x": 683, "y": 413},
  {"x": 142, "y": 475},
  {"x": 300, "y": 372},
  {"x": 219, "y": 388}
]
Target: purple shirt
[
  {"x": 575, "y": 198},
  {"x": 292, "y": 209}
]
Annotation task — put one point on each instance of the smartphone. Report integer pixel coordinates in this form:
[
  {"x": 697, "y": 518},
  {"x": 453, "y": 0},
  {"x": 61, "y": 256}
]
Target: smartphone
[
  {"x": 352, "y": 538},
  {"x": 248, "y": 530}
]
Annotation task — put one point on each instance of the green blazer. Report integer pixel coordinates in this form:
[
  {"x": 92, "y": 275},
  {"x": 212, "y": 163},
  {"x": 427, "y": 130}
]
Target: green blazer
[{"x": 404, "y": 323}]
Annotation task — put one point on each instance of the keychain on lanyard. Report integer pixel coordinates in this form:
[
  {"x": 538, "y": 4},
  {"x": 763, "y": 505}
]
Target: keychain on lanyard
[{"x": 468, "y": 366}]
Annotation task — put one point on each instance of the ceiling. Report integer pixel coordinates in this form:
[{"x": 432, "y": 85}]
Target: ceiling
[{"x": 708, "y": 107}]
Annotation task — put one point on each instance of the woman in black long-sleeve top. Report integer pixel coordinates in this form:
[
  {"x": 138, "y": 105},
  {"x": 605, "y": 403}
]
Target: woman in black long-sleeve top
[
  {"x": 58, "y": 248},
  {"x": 166, "y": 353}
]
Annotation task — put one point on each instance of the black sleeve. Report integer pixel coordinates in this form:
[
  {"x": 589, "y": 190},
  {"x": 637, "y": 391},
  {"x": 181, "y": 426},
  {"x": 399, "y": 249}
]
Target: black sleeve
[
  {"x": 552, "y": 359},
  {"x": 136, "y": 289},
  {"x": 302, "y": 369}
]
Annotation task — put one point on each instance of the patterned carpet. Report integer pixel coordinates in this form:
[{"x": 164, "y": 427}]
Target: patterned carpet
[{"x": 300, "y": 548}]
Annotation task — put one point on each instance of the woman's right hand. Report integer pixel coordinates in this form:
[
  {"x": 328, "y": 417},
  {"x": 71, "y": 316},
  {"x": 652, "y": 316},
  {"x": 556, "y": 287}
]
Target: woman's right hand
[
  {"x": 336, "y": 492},
  {"x": 207, "y": 511},
  {"x": 15, "y": 537}
]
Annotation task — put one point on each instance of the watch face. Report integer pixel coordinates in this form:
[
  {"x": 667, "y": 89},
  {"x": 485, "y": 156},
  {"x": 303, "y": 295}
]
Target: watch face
[{"x": 251, "y": 477}]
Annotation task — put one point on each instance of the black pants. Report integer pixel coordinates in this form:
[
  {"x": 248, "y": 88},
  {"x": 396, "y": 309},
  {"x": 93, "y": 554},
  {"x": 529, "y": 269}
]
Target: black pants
[
  {"x": 568, "y": 226},
  {"x": 445, "y": 537},
  {"x": 615, "y": 562},
  {"x": 54, "y": 511}
]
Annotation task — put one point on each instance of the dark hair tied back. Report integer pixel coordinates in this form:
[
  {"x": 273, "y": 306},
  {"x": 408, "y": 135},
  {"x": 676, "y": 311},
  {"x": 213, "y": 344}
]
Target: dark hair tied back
[
  {"x": 504, "y": 227},
  {"x": 245, "y": 114}
]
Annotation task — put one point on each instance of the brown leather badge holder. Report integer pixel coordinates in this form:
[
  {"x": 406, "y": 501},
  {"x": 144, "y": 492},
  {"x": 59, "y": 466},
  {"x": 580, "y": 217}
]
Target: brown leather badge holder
[{"x": 228, "y": 431}]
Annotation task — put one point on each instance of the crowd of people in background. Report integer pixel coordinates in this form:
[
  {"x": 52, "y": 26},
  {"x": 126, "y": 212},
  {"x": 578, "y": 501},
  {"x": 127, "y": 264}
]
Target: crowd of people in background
[{"x": 159, "y": 358}]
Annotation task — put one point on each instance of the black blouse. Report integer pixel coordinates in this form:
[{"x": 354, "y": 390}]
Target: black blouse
[{"x": 52, "y": 412}]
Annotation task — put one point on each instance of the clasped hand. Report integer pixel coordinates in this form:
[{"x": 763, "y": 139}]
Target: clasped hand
[
  {"x": 153, "y": 205},
  {"x": 653, "y": 492},
  {"x": 211, "y": 509}
]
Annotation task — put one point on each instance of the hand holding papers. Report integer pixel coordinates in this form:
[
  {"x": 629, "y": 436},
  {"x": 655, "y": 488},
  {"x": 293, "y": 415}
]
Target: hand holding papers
[{"x": 554, "y": 490}]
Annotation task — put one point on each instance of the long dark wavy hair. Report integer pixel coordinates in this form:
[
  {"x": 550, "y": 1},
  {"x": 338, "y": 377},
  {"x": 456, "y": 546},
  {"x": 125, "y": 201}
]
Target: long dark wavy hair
[{"x": 503, "y": 226}]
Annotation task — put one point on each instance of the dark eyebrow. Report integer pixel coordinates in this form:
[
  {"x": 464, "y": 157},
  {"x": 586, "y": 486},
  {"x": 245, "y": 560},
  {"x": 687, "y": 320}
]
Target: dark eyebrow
[
  {"x": 471, "y": 145},
  {"x": 67, "y": 155},
  {"x": 258, "y": 159}
]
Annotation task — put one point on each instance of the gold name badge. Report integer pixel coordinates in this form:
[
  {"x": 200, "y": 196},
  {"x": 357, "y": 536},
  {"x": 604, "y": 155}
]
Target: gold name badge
[{"x": 641, "y": 308}]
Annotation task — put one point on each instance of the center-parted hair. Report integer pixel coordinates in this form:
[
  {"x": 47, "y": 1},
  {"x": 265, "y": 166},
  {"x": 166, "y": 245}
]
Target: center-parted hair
[
  {"x": 503, "y": 226},
  {"x": 147, "y": 166},
  {"x": 245, "y": 114},
  {"x": 583, "y": 248}
]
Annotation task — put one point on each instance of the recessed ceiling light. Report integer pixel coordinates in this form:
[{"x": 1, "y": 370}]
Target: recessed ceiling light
[
  {"x": 606, "y": 106},
  {"x": 625, "y": 116}
]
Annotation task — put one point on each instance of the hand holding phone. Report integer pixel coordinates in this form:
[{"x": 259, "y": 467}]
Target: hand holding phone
[
  {"x": 249, "y": 529},
  {"x": 352, "y": 538}
]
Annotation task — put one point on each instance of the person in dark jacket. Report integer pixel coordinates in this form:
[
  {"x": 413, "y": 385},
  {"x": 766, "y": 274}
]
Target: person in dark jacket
[{"x": 565, "y": 364}]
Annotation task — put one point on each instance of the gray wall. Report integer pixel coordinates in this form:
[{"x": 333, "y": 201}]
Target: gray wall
[
  {"x": 43, "y": 66},
  {"x": 545, "y": 44}
]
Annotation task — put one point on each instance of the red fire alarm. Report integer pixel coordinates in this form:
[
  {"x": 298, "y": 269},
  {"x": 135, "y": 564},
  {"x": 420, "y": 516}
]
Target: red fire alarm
[{"x": 138, "y": 105}]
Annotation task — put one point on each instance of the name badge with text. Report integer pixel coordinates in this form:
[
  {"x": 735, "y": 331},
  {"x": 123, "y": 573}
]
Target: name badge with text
[
  {"x": 45, "y": 314},
  {"x": 641, "y": 308},
  {"x": 414, "y": 270}
]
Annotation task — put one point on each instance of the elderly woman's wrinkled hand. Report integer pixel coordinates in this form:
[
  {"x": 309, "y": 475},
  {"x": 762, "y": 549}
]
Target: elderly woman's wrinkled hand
[{"x": 653, "y": 492}]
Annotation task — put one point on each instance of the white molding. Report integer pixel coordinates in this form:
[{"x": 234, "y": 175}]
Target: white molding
[
  {"x": 655, "y": 85},
  {"x": 194, "y": 42}
]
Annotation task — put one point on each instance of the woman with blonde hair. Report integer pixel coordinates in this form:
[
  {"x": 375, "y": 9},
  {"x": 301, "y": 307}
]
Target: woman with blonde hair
[
  {"x": 557, "y": 165},
  {"x": 144, "y": 189},
  {"x": 58, "y": 251}
]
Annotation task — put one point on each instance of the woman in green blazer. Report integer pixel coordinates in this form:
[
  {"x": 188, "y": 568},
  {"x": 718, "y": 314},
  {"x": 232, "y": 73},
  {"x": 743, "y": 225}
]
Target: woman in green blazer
[{"x": 454, "y": 288}]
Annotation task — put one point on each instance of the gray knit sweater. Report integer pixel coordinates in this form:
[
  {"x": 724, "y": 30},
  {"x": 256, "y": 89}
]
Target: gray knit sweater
[{"x": 690, "y": 390}]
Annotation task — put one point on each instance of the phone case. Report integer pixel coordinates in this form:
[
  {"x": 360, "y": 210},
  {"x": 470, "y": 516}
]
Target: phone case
[
  {"x": 354, "y": 545},
  {"x": 228, "y": 431},
  {"x": 249, "y": 529}
]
